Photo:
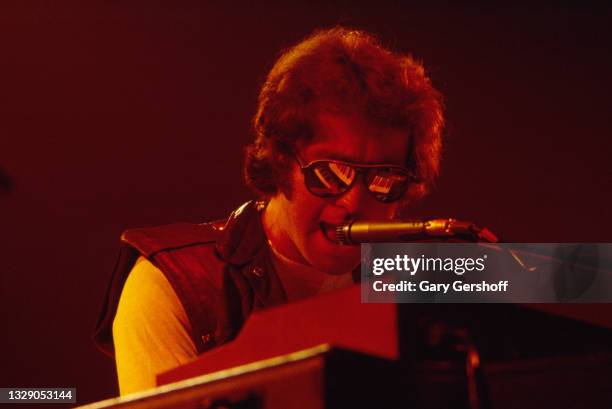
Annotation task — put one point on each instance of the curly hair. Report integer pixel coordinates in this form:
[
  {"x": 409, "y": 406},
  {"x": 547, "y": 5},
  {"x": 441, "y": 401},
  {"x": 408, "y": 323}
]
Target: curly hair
[{"x": 342, "y": 71}]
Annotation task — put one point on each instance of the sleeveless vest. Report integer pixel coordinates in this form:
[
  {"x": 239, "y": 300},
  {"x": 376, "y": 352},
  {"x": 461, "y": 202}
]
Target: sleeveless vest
[{"x": 221, "y": 272}]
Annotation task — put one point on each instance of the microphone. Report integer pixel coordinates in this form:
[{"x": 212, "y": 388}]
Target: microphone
[{"x": 381, "y": 231}]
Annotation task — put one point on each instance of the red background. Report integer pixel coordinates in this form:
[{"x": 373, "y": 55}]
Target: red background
[{"x": 120, "y": 114}]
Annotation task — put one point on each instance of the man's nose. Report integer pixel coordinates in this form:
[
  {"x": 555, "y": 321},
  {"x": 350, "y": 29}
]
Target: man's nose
[{"x": 356, "y": 199}]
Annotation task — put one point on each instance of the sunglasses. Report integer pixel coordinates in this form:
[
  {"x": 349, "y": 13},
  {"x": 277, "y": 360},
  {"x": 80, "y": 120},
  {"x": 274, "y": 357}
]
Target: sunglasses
[{"x": 331, "y": 178}]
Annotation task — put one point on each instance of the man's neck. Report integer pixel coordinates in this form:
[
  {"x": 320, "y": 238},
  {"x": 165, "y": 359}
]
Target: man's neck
[{"x": 278, "y": 238}]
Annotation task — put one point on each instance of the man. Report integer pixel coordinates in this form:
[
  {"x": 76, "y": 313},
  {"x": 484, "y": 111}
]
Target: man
[{"x": 344, "y": 129}]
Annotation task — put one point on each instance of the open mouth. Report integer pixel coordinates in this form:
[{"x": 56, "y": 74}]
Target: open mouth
[{"x": 329, "y": 231}]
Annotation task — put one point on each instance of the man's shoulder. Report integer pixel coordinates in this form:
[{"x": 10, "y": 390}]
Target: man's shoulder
[
  {"x": 204, "y": 264},
  {"x": 241, "y": 229},
  {"x": 151, "y": 240}
]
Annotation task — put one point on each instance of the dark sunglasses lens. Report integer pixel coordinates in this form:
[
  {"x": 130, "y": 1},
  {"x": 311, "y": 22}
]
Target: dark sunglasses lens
[
  {"x": 327, "y": 179},
  {"x": 387, "y": 184}
]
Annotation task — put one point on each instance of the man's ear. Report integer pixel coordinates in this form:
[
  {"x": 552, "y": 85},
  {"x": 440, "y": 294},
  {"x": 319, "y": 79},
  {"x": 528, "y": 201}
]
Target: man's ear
[
  {"x": 396, "y": 212},
  {"x": 414, "y": 193},
  {"x": 402, "y": 207}
]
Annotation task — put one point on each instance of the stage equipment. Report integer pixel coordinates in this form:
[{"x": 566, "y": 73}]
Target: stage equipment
[{"x": 333, "y": 351}]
